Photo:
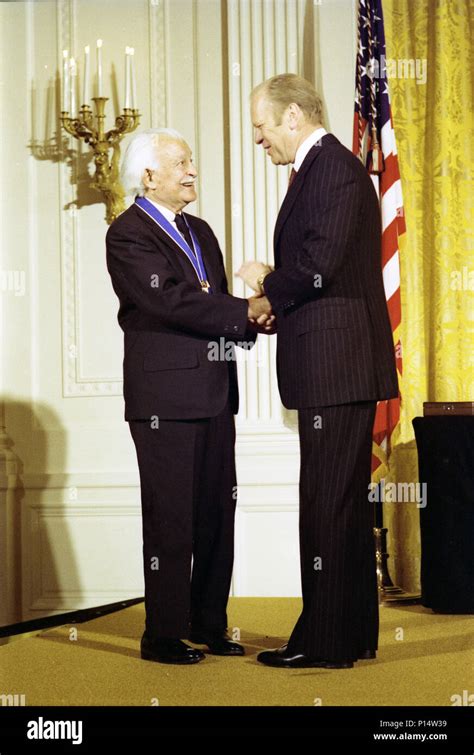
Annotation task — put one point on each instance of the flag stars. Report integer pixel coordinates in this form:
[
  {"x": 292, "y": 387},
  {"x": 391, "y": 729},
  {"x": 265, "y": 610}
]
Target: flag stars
[{"x": 369, "y": 69}]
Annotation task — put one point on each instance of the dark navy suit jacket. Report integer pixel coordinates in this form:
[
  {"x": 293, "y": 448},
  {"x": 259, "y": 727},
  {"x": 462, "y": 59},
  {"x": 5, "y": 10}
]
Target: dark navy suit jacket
[{"x": 169, "y": 323}]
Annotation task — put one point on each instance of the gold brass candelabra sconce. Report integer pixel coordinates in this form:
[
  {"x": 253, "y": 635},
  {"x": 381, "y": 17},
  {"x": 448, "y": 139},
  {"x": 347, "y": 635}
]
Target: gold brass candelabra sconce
[{"x": 91, "y": 128}]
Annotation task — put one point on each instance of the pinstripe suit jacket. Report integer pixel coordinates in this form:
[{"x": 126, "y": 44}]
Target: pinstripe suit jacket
[{"x": 335, "y": 343}]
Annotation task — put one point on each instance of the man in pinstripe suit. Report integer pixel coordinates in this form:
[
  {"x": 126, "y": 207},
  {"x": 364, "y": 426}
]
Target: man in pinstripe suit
[{"x": 335, "y": 360}]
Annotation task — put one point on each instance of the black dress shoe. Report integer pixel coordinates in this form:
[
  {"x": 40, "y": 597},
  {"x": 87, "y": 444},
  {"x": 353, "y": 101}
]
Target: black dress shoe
[
  {"x": 367, "y": 655},
  {"x": 281, "y": 658},
  {"x": 218, "y": 644},
  {"x": 169, "y": 651}
]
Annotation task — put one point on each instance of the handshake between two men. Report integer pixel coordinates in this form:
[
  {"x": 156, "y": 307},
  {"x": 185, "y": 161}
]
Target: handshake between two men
[
  {"x": 187, "y": 469},
  {"x": 260, "y": 312}
]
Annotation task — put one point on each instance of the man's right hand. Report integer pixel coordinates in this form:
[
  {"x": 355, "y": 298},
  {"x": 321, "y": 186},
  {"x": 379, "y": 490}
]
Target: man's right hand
[{"x": 260, "y": 313}]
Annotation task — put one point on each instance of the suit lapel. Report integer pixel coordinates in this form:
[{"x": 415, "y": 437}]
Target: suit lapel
[
  {"x": 297, "y": 185},
  {"x": 164, "y": 238},
  {"x": 177, "y": 254}
]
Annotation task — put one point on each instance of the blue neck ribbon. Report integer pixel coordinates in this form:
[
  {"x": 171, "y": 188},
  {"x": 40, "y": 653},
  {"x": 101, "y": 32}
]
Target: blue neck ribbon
[{"x": 193, "y": 255}]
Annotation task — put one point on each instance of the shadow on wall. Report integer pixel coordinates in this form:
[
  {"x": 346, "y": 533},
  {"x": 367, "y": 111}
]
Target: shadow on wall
[
  {"x": 403, "y": 520},
  {"x": 55, "y": 146},
  {"x": 37, "y": 555}
]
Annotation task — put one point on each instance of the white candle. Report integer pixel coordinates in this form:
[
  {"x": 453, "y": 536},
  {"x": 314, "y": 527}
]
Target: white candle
[
  {"x": 99, "y": 68},
  {"x": 49, "y": 99},
  {"x": 33, "y": 112},
  {"x": 134, "y": 83},
  {"x": 65, "y": 103},
  {"x": 127, "y": 77},
  {"x": 73, "y": 69},
  {"x": 86, "y": 95}
]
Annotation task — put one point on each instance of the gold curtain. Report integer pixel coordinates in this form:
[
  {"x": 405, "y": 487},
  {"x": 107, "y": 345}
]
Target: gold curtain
[{"x": 434, "y": 127}]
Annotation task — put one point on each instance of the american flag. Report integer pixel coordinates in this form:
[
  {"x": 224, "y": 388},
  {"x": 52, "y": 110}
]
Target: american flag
[{"x": 374, "y": 142}]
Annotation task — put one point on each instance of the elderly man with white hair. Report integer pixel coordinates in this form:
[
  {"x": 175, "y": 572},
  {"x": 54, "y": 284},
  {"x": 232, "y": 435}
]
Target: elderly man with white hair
[{"x": 168, "y": 273}]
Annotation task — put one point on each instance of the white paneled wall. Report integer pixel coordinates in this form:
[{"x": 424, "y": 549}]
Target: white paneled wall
[{"x": 70, "y": 525}]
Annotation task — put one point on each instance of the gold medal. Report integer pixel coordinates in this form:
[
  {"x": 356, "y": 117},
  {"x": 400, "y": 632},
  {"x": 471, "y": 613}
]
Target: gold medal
[{"x": 205, "y": 285}]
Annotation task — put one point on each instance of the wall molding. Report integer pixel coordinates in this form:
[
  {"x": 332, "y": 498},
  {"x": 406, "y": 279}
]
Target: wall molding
[
  {"x": 39, "y": 562},
  {"x": 157, "y": 62}
]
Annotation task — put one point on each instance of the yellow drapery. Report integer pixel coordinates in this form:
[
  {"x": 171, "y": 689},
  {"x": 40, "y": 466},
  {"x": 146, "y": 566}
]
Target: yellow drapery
[{"x": 434, "y": 127}]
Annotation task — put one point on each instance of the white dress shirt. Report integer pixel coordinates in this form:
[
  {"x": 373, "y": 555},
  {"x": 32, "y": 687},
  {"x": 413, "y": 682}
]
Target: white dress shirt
[
  {"x": 305, "y": 146},
  {"x": 169, "y": 214}
]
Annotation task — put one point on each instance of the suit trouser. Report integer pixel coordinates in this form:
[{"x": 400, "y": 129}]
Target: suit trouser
[
  {"x": 339, "y": 585},
  {"x": 187, "y": 477}
]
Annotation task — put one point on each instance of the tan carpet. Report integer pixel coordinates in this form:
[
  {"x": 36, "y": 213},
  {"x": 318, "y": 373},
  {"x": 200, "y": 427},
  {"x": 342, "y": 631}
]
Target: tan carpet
[{"x": 431, "y": 661}]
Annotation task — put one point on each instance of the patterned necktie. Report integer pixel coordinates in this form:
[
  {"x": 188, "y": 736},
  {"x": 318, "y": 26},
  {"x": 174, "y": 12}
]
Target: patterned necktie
[
  {"x": 182, "y": 227},
  {"x": 292, "y": 177}
]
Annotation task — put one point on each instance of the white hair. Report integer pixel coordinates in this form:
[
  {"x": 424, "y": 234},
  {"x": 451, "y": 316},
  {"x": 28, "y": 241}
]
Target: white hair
[{"x": 142, "y": 153}]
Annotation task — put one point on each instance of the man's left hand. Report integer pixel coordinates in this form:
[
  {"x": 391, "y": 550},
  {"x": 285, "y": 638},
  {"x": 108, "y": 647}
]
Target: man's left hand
[{"x": 251, "y": 271}]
